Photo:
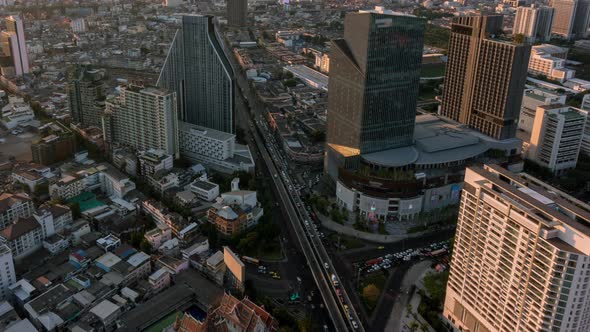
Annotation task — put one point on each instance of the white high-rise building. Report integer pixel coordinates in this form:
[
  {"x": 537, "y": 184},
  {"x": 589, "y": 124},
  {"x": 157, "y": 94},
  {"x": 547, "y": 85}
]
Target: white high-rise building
[
  {"x": 142, "y": 118},
  {"x": 7, "y": 274},
  {"x": 13, "y": 206},
  {"x": 534, "y": 23},
  {"x": 521, "y": 258},
  {"x": 586, "y": 139},
  {"x": 15, "y": 26},
  {"x": 557, "y": 137}
]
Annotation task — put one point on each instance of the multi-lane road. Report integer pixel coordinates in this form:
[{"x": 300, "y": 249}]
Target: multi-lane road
[{"x": 336, "y": 300}]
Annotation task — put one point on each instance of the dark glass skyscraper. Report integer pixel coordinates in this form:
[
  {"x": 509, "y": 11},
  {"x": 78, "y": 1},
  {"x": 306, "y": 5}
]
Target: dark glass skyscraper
[
  {"x": 373, "y": 88},
  {"x": 237, "y": 11},
  {"x": 198, "y": 70}
]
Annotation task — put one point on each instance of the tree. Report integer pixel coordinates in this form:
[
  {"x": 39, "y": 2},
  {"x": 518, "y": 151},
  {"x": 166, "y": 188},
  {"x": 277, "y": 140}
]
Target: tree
[
  {"x": 75, "y": 208},
  {"x": 249, "y": 242},
  {"x": 435, "y": 283},
  {"x": 371, "y": 295},
  {"x": 42, "y": 189},
  {"x": 145, "y": 246},
  {"x": 519, "y": 38}
]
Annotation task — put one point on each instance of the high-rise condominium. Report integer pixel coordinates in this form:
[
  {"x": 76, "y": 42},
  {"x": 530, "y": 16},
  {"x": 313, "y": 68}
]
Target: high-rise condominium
[
  {"x": 13, "y": 45},
  {"x": 86, "y": 94},
  {"x": 534, "y": 22},
  {"x": 521, "y": 258},
  {"x": 571, "y": 18},
  {"x": 198, "y": 70},
  {"x": 237, "y": 11},
  {"x": 143, "y": 118},
  {"x": 374, "y": 77},
  {"x": 485, "y": 77}
]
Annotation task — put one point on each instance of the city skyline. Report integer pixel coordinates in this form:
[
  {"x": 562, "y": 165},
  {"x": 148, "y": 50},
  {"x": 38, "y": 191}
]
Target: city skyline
[{"x": 193, "y": 166}]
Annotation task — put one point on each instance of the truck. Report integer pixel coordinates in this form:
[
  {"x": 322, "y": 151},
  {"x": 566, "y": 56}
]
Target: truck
[
  {"x": 437, "y": 253},
  {"x": 334, "y": 280},
  {"x": 374, "y": 261},
  {"x": 251, "y": 260}
]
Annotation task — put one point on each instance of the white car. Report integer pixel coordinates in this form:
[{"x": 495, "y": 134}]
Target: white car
[
  {"x": 326, "y": 266},
  {"x": 354, "y": 324}
]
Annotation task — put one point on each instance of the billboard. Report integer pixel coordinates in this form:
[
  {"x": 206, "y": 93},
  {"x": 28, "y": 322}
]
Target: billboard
[{"x": 235, "y": 266}]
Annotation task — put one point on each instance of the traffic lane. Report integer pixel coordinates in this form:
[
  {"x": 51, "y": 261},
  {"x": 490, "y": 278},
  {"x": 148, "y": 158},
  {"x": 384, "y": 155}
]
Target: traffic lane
[
  {"x": 321, "y": 282},
  {"x": 392, "y": 248}
]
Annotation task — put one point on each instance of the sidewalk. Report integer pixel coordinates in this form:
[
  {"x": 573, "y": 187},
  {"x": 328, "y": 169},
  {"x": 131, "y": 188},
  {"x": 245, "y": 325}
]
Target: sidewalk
[
  {"x": 378, "y": 238},
  {"x": 407, "y": 318}
]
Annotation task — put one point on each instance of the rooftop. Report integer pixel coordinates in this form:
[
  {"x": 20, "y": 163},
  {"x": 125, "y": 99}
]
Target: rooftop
[
  {"x": 104, "y": 309},
  {"x": 205, "y": 132},
  {"x": 205, "y": 185},
  {"x": 21, "y": 227},
  {"x": 437, "y": 140}
]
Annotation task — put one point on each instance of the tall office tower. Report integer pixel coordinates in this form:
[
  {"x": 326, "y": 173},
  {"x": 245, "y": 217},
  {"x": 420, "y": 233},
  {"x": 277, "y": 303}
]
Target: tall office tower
[
  {"x": 374, "y": 77},
  {"x": 198, "y": 70},
  {"x": 521, "y": 258},
  {"x": 485, "y": 77},
  {"x": 582, "y": 19},
  {"x": 571, "y": 18},
  {"x": 15, "y": 26},
  {"x": 143, "y": 118},
  {"x": 86, "y": 94},
  {"x": 237, "y": 11},
  {"x": 534, "y": 23},
  {"x": 7, "y": 274}
]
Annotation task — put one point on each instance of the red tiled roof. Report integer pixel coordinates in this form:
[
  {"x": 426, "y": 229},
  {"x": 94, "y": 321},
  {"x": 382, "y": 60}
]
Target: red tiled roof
[
  {"x": 7, "y": 200},
  {"x": 21, "y": 227}
]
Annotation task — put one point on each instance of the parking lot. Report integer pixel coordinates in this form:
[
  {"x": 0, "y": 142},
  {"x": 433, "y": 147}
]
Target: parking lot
[
  {"x": 434, "y": 251},
  {"x": 16, "y": 146}
]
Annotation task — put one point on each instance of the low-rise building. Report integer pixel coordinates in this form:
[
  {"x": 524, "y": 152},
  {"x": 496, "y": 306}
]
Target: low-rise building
[
  {"x": 205, "y": 190},
  {"x": 158, "y": 235},
  {"x": 159, "y": 280},
  {"x": 107, "y": 312},
  {"x": 215, "y": 149},
  {"x": 67, "y": 187},
  {"x": 23, "y": 237},
  {"x": 549, "y": 60},
  {"x": 58, "y": 143},
  {"x": 13, "y": 206},
  {"x": 245, "y": 315},
  {"x": 56, "y": 244},
  {"x": 152, "y": 161},
  {"x": 113, "y": 182},
  {"x": 109, "y": 243}
]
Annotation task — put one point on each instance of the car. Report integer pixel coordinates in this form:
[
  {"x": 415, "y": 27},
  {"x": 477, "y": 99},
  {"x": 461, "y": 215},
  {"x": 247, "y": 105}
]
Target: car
[
  {"x": 276, "y": 276},
  {"x": 326, "y": 266},
  {"x": 354, "y": 324},
  {"x": 380, "y": 247}
]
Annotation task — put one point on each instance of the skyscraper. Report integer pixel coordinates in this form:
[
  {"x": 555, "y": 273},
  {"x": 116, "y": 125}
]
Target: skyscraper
[
  {"x": 143, "y": 118},
  {"x": 534, "y": 23},
  {"x": 521, "y": 257},
  {"x": 14, "y": 46},
  {"x": 86, "y": 94},
  {"x": 571, "y": 18},
  {"x": 485, "y": 77},
  {"x": 374, "y": 77},
  {"x": 198, "y": 70},
  {"x": 237, "y": 11}
]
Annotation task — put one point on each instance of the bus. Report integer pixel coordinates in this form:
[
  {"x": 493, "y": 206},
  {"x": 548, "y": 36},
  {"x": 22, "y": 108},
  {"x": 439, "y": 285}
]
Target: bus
[{"x": 251, "y": 260}]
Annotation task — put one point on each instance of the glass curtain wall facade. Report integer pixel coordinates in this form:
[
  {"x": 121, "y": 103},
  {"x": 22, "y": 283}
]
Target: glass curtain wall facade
[
  {"x": 198, "y": 70},
  {"x": 374, "y": 78}
]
